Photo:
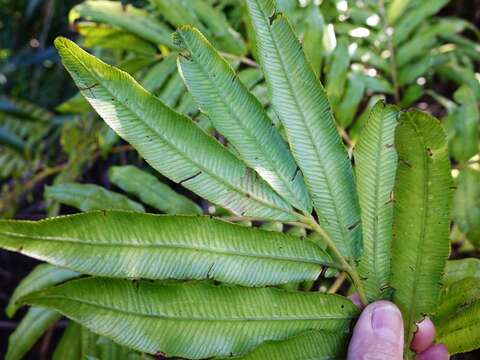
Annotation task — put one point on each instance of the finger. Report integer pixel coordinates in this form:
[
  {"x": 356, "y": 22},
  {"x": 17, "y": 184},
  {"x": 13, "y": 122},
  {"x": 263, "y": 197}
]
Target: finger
[
  {"x": 424, "y": 336},
  {"x": 434, "y": 352},
  {"x": 378, "y": 333}
]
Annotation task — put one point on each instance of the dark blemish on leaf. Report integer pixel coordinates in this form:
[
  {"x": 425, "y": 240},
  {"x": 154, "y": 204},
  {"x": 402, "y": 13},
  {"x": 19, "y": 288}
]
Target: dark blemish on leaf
[
  {"x": 391, "y": 198},
  {"x": 271, "y": 18},
  {"x": 20, "y": 248},
  {"x": 405, "y": 162},
  {"x": 295, "y": 173},
  {"x": 429, "y": 152},
  {"x": 185, "y": 55},
  {"x": 136, "y": 284},
  {"x": 353, "y": 226},
  {"x": 389, "y": 146},
  {"x": 88, "y": 87},
  {"x": 190, "y": 177},
  {"x": 210, "y": 270},
  {"x": 342, "y": 306},
  {"x": 453, "y": 187},
  {"x": 247, "y": 195}
]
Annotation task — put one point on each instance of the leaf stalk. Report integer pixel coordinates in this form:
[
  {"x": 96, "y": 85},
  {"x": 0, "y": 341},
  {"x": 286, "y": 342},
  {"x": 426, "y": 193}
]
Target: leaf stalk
[{"x": 348, "y": 267}]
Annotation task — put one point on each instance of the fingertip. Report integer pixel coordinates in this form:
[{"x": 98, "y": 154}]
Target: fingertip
[
  {"x": 434, "y": 352},
  {"x": 378, "y": 332},
  {"x": 424, "y": 335}
]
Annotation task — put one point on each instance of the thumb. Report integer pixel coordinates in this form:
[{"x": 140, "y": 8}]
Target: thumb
[{"x": 378, "y": 333}]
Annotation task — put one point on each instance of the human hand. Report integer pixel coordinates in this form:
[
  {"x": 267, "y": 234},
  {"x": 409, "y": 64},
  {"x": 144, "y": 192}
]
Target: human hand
[{"x": 378, "y": 334}]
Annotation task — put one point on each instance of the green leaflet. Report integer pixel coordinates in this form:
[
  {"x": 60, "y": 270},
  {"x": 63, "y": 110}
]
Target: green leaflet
[
  {"x": 456, "y": 270},
  {"x": 458, "y": 315},
  {"x": 421, "y": 217},
  {"x": 412, "y": 71},
  {"x": 69, "y": 345},
  {"x": 464, "y": 143},
  {"x": 464, "y": 44},
  {"x": 239, "y": 116},
  {"x": 310, "y": 345},
  {"x": 313, "y": 36},
  {"x": 205, "y": 17},
  {"x": 347, "y": 108},
  {"x": 79, "y": 343},
  {"x": 171, "y": 143},
  {"x": 88, "y": 344},
  {"x": 302, "y": 105},
  {"x": 29, "y": 330},
  {"x": 12, "y": 141},
  {"x": 112, "y": 38},
  {"x": 367, "y": 56},
  {"x": 130, "y": 19},
  {"x": 375, "y": 168},
  {"x": 88, "y": 197},
  {"x": 151, "y": 191},
  {"x": 109, "y": 350},
  {"x": 378, "y": 84},
  {"x": 74, "y": 105},
  {"x": 173, "y": 91},
  {"x": 43, "y": 276},
  {"x": 456, "y": 297},
  {"x": 413, "y": 18},
  {"x": 136, "y": 245},
  {"x": 176, "y": 319},
  {"x": 411, "y": 94},
  {"x": 395, "y": 9},
  {"x": 419, "y": 46},
  {"x": 426, "y": 39},
  {"x": 24, "y": 110},
  {"x": 158, "y": 74},
  {"x": 466, "y": 209},
  {"x": 460, "y": 75},
  {"x": 337, "y": 72}
]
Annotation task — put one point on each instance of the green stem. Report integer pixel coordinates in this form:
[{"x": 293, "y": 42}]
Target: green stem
[{"x": 348, "y": 267}]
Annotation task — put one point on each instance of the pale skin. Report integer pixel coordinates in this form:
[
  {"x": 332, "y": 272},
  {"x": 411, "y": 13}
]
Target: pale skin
[{"x": 378, "y": 335}]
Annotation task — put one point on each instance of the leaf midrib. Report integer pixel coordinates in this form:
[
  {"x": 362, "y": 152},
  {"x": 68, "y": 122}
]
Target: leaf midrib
[
  {"x": 376, "y": 202},
  {"x": 293, "y": 317},
  {"x": 420, "y": 255},
  {"x": 160, "y": 246},
  {"x": 209, "y": 173},
  {"x": 305, "y": 122}
]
